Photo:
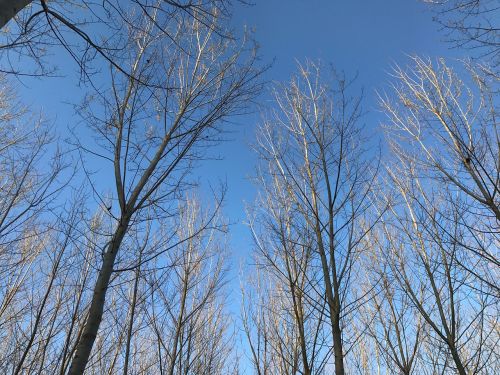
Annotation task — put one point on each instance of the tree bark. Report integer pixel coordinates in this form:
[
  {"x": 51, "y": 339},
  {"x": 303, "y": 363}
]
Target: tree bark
[
  {"x": 131, "y": 321},
  {"x": 91, "y": 328},
  {"x": 338, "y": 350},
  {"x": 457, "y": 360},
  {"x": 9, "y": 9}
]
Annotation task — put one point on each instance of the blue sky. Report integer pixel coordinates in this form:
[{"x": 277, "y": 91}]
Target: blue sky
[{"x": 364, "y": 37}]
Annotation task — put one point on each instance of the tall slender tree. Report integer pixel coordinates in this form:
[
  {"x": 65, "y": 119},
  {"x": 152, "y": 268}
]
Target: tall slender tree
[
  {"x": 312, "y": 152},
  {"x": 149, "y": 125}
]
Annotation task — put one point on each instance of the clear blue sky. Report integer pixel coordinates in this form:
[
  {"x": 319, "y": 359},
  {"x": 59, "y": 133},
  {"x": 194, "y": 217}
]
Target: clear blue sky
[{"x": 365, "y": 37}]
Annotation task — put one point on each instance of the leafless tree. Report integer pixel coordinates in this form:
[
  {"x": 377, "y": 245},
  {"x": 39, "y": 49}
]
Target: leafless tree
[
  {"x": 471, "y": 25},
  {"x": 172, "y": 79},
  {"x": 149, "y": 134},
  {"x": 176, "y": 321},
  {"x": 313, "y": 153},
  {"x": 284, "y": 332},
  {"x": 31, "y": 30},
  {"x": 394, "y": 328},
  {"x": 285, "y": 317},
  {"x": 32, "y": 176},
  {"x": 448, "y": 129},
  {"x": 423, "y": 251},
  {"x": 191, "y": 322},
  {"x": 44, "y": 295},
  {"x": 175, "y": 304},
  {"x": 25, "y": 143},
  {"x": 441, "y": 236}
]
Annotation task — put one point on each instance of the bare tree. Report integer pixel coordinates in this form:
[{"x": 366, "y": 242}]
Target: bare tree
[
  {"x": 32, "y": 29},
  {"x": 36, "y": 290},
  {"x": 148, "y": 133},
  {"x": 176, "y": 321},
  {"x": 177, "y": 304},
  {"x": 189, "y": 319},
  {"x": 288, "y": 319},
  {"x": 285, "y": 333},
  {"x": 33, "y": 243},
  {"x": 393, "y": 323},
  {"x": 312, "y": 146},
  {"x": 174, "y": 77},
  {"x": 25, "y": 143},
  {"x": 423, "y": 253},
  {"x": 448, "y": 130},
  {"x": 441, "y": 235},
  {"x": 471, "y": 25}
]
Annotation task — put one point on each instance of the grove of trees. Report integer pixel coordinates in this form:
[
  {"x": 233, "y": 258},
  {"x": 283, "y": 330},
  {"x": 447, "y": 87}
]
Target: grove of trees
[{"x": 366, "y": 259}]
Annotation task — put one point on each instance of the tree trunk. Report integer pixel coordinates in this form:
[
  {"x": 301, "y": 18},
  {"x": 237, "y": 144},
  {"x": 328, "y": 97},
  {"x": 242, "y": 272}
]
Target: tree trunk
[
  {"x": 337, "y": 346},
  {"x": 131, "y": 321},
  {"x": 457, "y": 360},
  {"x": 8, "y": 10},
  {"x": 89, "y": 334}
]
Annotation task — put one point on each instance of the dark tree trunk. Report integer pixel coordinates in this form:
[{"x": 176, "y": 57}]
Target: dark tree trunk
[
  {"x": 9, "y": 9},
  {"x": 89, "y": 334}
]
